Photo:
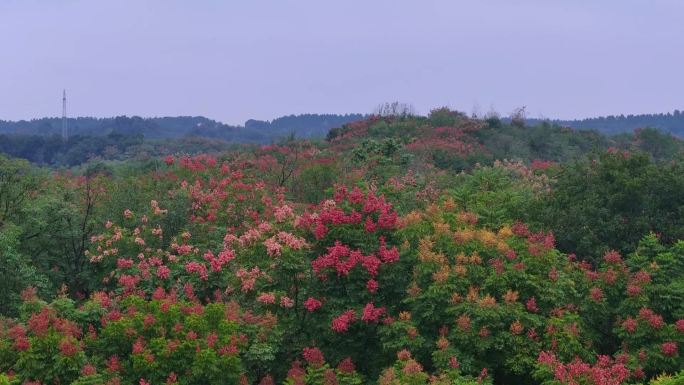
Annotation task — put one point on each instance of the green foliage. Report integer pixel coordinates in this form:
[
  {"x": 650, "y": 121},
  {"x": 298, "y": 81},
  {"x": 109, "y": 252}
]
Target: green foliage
[
  {"x": 44, "y": 362},
  {"x": 677, "y": 379},
  {"x": 661, "y": 146},
  {"x": 499, "y": 194},
  {"x": 94, "y": 379},
  {"x": 4, "y": 380},
  {"x": 609, "y": 201},
  {"x": 376, "y": 151},
  {"x": 441, "y": 117},
  {"x": 546, "y": 142},
  {"x": 58, "y": 228},
  {"x": 18, "y": 180},
  {"x": 16, "y": 272},
  {"x": 313, "y": 183}
]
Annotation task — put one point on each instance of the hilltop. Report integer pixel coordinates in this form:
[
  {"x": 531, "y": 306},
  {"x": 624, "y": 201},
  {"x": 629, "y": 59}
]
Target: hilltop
[{"x": 452, "y": 140}]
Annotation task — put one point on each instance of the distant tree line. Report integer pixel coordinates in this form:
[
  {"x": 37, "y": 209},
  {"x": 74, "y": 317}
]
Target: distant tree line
[
  {"x": 52, "y": 150},
  {"x": 254, "y": 131},
  {"x": 672, "y": 122},
  {"x": 308, "y": 126}
]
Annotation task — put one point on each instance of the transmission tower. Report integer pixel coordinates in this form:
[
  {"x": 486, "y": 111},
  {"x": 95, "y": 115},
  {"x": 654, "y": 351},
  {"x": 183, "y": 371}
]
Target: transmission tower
[{"x": 65, "y": 128}]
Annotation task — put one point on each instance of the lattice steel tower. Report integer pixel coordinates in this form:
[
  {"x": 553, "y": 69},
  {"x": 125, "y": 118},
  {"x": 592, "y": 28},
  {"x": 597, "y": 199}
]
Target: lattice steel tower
[{"x": 65, "y": 128}]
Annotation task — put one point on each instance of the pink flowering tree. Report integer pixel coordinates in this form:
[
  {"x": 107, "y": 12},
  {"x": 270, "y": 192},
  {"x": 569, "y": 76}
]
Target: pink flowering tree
[
  {"x": 649, "y": 320},
  {"x": 314, "y": 370},
  {"x": 407, "y": 370},
  {"x": 107, "y": 341},
  {"x": 604, "y": 371},
  {"x": 356, "y": 274}
]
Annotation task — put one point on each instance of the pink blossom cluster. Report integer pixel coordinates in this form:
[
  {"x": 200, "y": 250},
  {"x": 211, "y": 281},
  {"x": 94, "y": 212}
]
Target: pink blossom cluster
[
  {"x": 342, "y": 259},
  {"x": 248, "y": 278},
  {"x": 653, "y": 319},
  {"x": 604, "y": 372},
  {"x": 371, "y": 313},
  {"x": 282, "y": 213},
  {"x": 313, "y": 356},
  {"x": 267, "y": 298},
  {"x": 340, "y": 324},
  {"x": 274, "y": 244},
  {"x": 199, "y": 268},
  {"x": 312, "y": 304},
  {"x": 379, "y": 215}
]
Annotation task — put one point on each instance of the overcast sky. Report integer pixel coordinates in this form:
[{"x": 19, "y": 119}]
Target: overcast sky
[{"x": 240, "y": 59}]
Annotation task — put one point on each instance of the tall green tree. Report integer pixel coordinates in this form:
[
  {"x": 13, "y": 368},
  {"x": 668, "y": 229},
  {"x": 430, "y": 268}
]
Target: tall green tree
[
  {"x": 16, "y": 271},
  {"x": 17, "y": 183},
  {"x": 610, "y": 200},
  {"x": 58, "y": 227}
]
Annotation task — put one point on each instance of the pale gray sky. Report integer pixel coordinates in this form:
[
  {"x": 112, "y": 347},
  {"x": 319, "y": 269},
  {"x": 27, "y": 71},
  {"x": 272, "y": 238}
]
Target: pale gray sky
[{"x": 234, "y": 60}]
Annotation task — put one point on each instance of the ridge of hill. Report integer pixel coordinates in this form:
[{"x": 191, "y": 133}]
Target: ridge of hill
[
  {"x": 446, "y": 139},
  {"x": 303, "y": 126}
]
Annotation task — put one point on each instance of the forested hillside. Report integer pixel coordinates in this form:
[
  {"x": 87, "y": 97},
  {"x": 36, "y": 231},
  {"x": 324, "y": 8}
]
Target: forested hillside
[
  {"x": 122, "y": 137},
  {"x": 439, "y": 250}
]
